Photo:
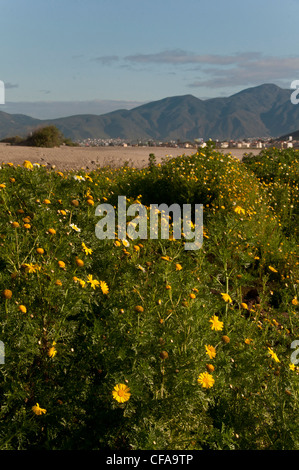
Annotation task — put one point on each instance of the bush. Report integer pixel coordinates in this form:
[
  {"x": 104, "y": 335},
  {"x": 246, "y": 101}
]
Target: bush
[
  {"x": 16, "y": 140},
  {"x": 48, "y": 136},
  {"x": 202, "y": 339}
]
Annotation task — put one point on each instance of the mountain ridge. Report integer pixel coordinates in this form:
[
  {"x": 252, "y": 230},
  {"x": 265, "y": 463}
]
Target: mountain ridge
[{"x": 261, "y": 111}]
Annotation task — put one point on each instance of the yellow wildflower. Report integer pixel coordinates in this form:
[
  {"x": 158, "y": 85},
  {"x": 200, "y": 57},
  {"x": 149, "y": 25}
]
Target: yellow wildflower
[
  {"x": 121, "y": 393},
  {"x": 79, "y": 262},
  {"x": 27, "y": 165},
  {"x": 52, "y": 351},
  {"x": 38, "y": 410},
  {"x": 226, "y": 339},
  {"x": 239, "y": 210},
  {"x": 139, "y": 308},
  {"x": 210, "y": 351},
  {"x": 226, "y": 298},
  {"x": 273, "y": 355},
  {"x": 31, "y": 268},
  {"x": 87, "y": 251},
  {"x": 215, "y": 323},
  {"x": 15, "y": 224},
  {"x": 92, "y": 282},
  {"x": 206, "y": 380},
  {"x": 104, "y": 287},
  {"x": 7, "y": 294}
]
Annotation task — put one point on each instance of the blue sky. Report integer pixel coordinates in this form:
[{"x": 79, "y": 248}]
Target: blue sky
[{"x": 76, "y": 56}]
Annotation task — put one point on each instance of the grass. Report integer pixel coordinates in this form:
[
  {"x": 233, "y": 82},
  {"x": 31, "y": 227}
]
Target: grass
[{"x": 148, "y": 321}]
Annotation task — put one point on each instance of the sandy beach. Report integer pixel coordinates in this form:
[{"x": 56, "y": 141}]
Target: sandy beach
[{"x": 90, "y": 158}]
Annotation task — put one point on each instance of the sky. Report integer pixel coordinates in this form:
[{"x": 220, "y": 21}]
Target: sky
[{"x": 64, "y": 57}]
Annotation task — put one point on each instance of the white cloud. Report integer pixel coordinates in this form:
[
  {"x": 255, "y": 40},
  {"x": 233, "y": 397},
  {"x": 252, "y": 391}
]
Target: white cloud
[
  {"x": 222, "y": 71},
  {"x": 178, "y": 56},
  {"x": 255, "y": 70}
]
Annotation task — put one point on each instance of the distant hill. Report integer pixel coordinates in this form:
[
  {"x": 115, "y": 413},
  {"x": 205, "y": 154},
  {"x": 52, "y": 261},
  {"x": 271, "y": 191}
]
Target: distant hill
[
  {"x": 294, "y": 134},
  {"x": 16, "y": 124},
  {"x": 262, "y": 111}
]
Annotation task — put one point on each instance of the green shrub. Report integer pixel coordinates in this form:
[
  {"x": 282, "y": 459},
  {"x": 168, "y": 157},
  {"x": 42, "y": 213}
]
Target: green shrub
[{"x": 86, "y": 315}]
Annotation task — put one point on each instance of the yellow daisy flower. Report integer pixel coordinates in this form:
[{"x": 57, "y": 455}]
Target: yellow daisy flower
[
  {"x": 273, "y": 355},
  {"x": 31, "y": 268},
  {"x": 38, "y": 410},
  {"x": 92, "y": 282},
  {"x": 239, "y": 210},
  {"x": 206, "y": 380},
  {"x": 87, "y": 251},
  {"x": 104, "y": 287},
  {"x": 52, "y": 351},
  {"x": 210, "y": 351},
  {"x": 27, "y": 164},
  {"x": 121, "y": 393},
  {"x": 216, "y": 324},
  {"x": 226, "y": 298}
]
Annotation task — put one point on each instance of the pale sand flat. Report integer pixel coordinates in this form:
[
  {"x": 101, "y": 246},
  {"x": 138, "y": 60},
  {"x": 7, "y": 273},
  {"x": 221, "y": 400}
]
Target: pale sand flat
[{"x": 90, "y": 158}]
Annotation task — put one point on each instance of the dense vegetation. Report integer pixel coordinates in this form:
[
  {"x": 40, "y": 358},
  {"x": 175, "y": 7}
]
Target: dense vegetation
[
  {"x": 140, "y": 344},
  {"x": 47, "y": 136}
]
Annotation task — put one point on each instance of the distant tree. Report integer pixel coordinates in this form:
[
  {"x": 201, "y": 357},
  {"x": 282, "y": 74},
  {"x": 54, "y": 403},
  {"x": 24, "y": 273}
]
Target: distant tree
[
  {"x": 48, "y": 136},
  {"x": 15, "y": 140},
  {"x": 69, "y": 142}
]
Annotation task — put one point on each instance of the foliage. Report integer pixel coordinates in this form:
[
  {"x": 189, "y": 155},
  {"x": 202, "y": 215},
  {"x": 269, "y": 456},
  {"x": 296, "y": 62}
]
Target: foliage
[
  {"x": 48, "y": 136},
  {"x": 86, "y": 314}
]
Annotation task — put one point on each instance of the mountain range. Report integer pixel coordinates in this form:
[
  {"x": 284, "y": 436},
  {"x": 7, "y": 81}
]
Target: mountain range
[{"x": 262, "y": 111}]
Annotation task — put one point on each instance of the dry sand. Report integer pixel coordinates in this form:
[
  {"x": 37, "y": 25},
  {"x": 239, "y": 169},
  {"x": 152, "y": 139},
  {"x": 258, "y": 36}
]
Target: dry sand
[{"x": 90, "y": 158}]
